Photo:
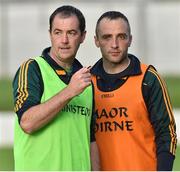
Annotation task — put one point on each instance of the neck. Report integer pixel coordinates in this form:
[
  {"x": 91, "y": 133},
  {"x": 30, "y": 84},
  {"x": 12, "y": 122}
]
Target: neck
[
  {"x": 65, "y": 64},
  {"x": 113, "y": 68}
]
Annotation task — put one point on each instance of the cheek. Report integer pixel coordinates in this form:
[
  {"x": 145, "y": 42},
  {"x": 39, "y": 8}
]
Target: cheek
[
  {"x": 104, "y": 50},
  {"x": 55, "y": 41},
  {"x": 76, "y": 43},
  {"x": 104, "y": 45},
  {"x": 124, "y": 45}
]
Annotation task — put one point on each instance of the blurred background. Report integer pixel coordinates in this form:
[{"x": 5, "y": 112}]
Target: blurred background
[{"x": 155, "y": 26}]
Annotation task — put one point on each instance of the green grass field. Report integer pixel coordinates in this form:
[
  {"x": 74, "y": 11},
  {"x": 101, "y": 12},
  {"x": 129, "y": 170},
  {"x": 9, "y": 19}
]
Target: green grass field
[
  {"x": 6, "y": 101},
  {"x": 6, "y": 159},
  {"x": 7, "y": 163},
  {"x": 173, "y": 85}
]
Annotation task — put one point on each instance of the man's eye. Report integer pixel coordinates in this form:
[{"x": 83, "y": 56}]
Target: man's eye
[
  {"x": 57, "y": 33},
  {"x": 123, "y": 36},
  {"x": 106, "y": 37},
  {"x": 72, "y": 33}
]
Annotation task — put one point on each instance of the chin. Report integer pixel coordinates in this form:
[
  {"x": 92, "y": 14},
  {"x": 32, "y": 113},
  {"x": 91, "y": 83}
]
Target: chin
[{"x": 117, "y": 61}]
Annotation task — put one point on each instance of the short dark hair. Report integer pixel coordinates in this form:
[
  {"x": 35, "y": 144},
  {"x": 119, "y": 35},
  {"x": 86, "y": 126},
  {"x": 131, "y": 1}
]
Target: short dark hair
[
  {"x": 67, "y": 11},
  {"x": 112, "y": 15}
]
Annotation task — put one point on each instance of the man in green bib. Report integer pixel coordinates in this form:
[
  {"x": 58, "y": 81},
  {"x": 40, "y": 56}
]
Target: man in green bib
[{"x": 54, "y": 103}]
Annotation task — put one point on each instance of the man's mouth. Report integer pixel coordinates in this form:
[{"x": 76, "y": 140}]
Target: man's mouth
[
  {"x": 64, "y": 48},
  {"x": 114, "y": 52}
]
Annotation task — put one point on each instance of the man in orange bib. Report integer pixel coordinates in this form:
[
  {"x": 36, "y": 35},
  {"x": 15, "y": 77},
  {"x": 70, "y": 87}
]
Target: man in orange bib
[{"x": 135, "y": 127}]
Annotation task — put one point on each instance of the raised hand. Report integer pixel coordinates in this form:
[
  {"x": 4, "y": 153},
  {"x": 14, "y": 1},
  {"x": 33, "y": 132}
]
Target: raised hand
[{"x": 79, "y": 81}]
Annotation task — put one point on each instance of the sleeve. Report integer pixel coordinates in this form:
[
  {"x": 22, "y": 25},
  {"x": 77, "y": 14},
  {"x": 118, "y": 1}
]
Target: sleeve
[
  {"x": 27, "y": 87},
  {"x": 161, "y": 116},
  {"x": 165, "y": 161}
]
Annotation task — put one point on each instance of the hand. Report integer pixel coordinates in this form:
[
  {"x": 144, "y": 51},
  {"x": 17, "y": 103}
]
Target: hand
[{"x": 79, "y": 81}]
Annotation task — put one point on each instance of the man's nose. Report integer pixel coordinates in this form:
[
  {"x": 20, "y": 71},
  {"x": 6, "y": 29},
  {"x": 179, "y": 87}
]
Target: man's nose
[
  {"x": 115, "y": 43},
  {"x": 65, "y": 38}
]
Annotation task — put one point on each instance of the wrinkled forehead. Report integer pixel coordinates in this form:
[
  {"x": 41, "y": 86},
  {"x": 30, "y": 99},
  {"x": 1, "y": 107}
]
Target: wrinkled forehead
[
  {"x": 65, "y": 15},
  {"x": 61, "y": 19},
  {"x": 109, "y": 25}
]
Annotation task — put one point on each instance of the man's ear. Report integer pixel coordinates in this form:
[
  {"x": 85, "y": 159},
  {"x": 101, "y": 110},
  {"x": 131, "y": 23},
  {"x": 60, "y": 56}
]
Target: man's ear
[
  {"x": 130, "y": 40},
  {"x": 96, "y": 41},
  {"x": 49, "y": 34},
  {"x": 83, "y": 36}
]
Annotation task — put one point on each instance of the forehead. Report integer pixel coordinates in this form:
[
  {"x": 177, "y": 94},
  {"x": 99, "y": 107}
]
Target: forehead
[
  {"x": 107, "y": 25},
  {"x": 60, "y": 21}
]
